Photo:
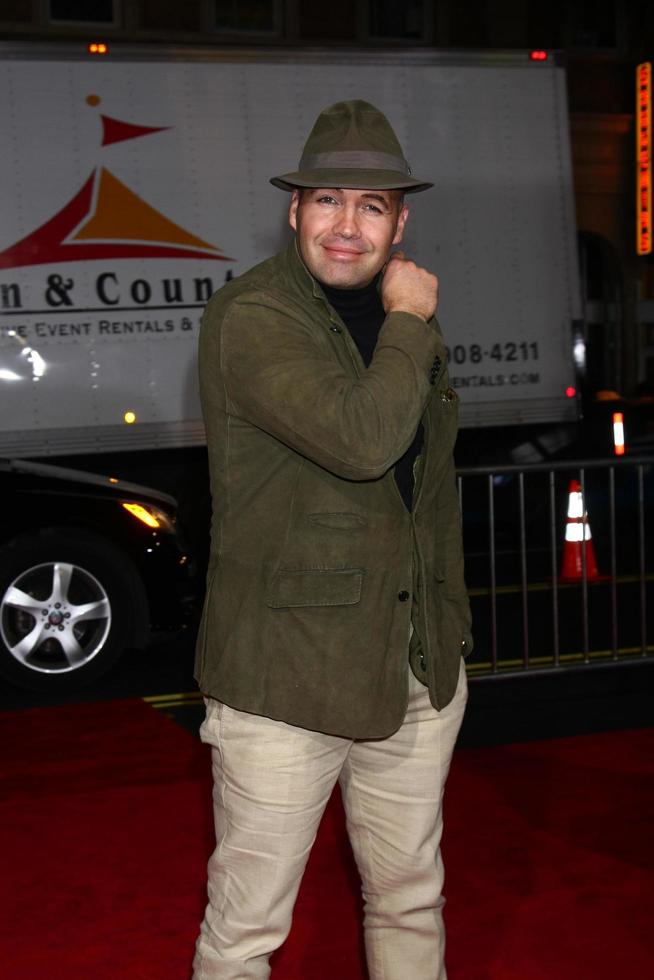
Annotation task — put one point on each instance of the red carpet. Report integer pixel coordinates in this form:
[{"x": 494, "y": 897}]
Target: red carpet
[{"x": 106, "y": 830}]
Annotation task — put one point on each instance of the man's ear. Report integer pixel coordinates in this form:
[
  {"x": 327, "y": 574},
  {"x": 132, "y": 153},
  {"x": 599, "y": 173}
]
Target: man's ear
[
  {"x": 401, "y": 221},
  {"x": 292, "y": 209}
]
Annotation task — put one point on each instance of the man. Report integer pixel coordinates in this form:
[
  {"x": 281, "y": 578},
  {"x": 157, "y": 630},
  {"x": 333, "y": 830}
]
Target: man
[{"x": 336, "y": 535}]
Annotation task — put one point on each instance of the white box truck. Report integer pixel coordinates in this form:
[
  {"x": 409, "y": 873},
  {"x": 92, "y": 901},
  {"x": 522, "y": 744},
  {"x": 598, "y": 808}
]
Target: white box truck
[{"x": 133, "y": 184}]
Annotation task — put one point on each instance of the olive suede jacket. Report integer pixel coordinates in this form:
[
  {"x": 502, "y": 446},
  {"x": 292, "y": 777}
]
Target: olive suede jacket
[{"x": 317, "y": 568}]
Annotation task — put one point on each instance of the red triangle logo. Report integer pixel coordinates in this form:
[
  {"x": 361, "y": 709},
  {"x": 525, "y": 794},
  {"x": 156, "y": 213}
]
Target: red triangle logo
[{"x": 115, "y": 130}]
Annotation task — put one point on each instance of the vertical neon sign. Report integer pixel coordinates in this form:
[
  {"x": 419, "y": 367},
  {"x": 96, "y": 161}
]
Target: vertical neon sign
[{"x": 644, "y": 158}]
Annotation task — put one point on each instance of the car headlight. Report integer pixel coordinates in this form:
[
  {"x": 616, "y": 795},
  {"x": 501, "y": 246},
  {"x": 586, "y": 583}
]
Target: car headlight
[{"x": 148, "y": 515}]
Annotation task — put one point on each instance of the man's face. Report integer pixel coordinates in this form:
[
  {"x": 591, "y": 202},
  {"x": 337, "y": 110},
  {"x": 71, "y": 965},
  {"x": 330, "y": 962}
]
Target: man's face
[{"x": 345, "y": 235}]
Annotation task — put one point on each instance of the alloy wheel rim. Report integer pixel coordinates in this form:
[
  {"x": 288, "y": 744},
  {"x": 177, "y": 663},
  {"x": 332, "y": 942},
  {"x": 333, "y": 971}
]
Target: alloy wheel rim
[{"x": 55, "y": 617}]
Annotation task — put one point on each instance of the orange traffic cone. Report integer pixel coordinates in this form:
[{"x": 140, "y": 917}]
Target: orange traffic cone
[{"x": 577, "y": 536}]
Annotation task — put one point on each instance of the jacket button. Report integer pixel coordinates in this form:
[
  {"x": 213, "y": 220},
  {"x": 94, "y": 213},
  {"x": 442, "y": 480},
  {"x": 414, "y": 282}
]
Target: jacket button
[
  {"x": 403, "y": 595},
  {"x": 335, "y": 329}
]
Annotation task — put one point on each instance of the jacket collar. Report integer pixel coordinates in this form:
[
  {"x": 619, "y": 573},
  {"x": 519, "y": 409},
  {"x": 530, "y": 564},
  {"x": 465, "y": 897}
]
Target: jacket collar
[
  {"x": 300, "y": 277},
  {"x": 303, "y": 281}
]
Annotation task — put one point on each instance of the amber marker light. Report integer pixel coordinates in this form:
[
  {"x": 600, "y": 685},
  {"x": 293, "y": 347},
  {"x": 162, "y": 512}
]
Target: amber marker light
[
  {"x": 142, "y": 514},
  {"x": 618, "y": 434},
  {"x": 98, "y": 47},
  {"x": 644, "y": 158},
  {"x": 129, "y": 418}
]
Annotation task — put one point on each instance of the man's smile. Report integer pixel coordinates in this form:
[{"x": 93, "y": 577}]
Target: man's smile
[{"x": 343, "y": 252}]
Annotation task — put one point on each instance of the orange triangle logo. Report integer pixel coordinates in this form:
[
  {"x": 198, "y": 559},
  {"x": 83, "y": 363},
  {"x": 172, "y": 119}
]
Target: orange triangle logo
[{"x": 121, "y": 215}]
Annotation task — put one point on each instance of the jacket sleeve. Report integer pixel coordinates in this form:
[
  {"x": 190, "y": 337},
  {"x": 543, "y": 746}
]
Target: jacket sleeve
[{"x": 282, "y": 377}]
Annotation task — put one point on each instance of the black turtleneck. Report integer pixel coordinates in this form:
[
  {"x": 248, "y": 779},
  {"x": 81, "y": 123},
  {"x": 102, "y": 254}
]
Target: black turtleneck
[{"x": 362, "y": 313}]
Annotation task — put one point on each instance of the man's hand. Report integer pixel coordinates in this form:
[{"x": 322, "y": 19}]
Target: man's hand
[{"x": 407, "y": 288}]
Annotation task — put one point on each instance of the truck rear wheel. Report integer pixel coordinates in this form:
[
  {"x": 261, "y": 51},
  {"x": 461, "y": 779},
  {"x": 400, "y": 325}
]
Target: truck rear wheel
[{"x": 70, "y": 603}]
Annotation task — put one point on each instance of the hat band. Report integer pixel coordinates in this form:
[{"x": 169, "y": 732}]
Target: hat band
[{"x": 354, "y": 160}]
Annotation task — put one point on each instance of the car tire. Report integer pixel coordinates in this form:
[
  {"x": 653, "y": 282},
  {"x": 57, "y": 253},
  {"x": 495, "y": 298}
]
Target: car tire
[{"x": 70, "y": 603}]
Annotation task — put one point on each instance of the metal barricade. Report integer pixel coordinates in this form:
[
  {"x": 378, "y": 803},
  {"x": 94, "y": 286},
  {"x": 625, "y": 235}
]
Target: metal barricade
[{"x": 526, "y": 617}]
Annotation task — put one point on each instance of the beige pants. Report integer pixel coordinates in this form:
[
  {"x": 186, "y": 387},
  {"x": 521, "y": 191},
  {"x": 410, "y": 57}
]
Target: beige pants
[{"x": 271, "y": 785}]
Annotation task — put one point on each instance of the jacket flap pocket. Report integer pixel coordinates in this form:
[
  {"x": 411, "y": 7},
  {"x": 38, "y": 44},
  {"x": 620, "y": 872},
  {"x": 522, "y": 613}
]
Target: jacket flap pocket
[
  {"x": 337, "y": 521},
  {"x": 316, "y": 587}
]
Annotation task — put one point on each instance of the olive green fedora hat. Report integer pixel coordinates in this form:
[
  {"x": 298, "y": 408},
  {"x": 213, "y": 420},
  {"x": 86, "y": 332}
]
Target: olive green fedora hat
[{"x": 352, "y": 144}]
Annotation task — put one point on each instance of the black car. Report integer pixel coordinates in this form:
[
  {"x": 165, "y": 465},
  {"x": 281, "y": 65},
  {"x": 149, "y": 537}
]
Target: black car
[{"x": 88, "y": 564}]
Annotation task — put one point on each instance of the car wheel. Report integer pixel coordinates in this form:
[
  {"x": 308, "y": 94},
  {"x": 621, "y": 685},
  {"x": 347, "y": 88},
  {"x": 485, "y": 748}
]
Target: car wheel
[{"x": 70, "y": 603}]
